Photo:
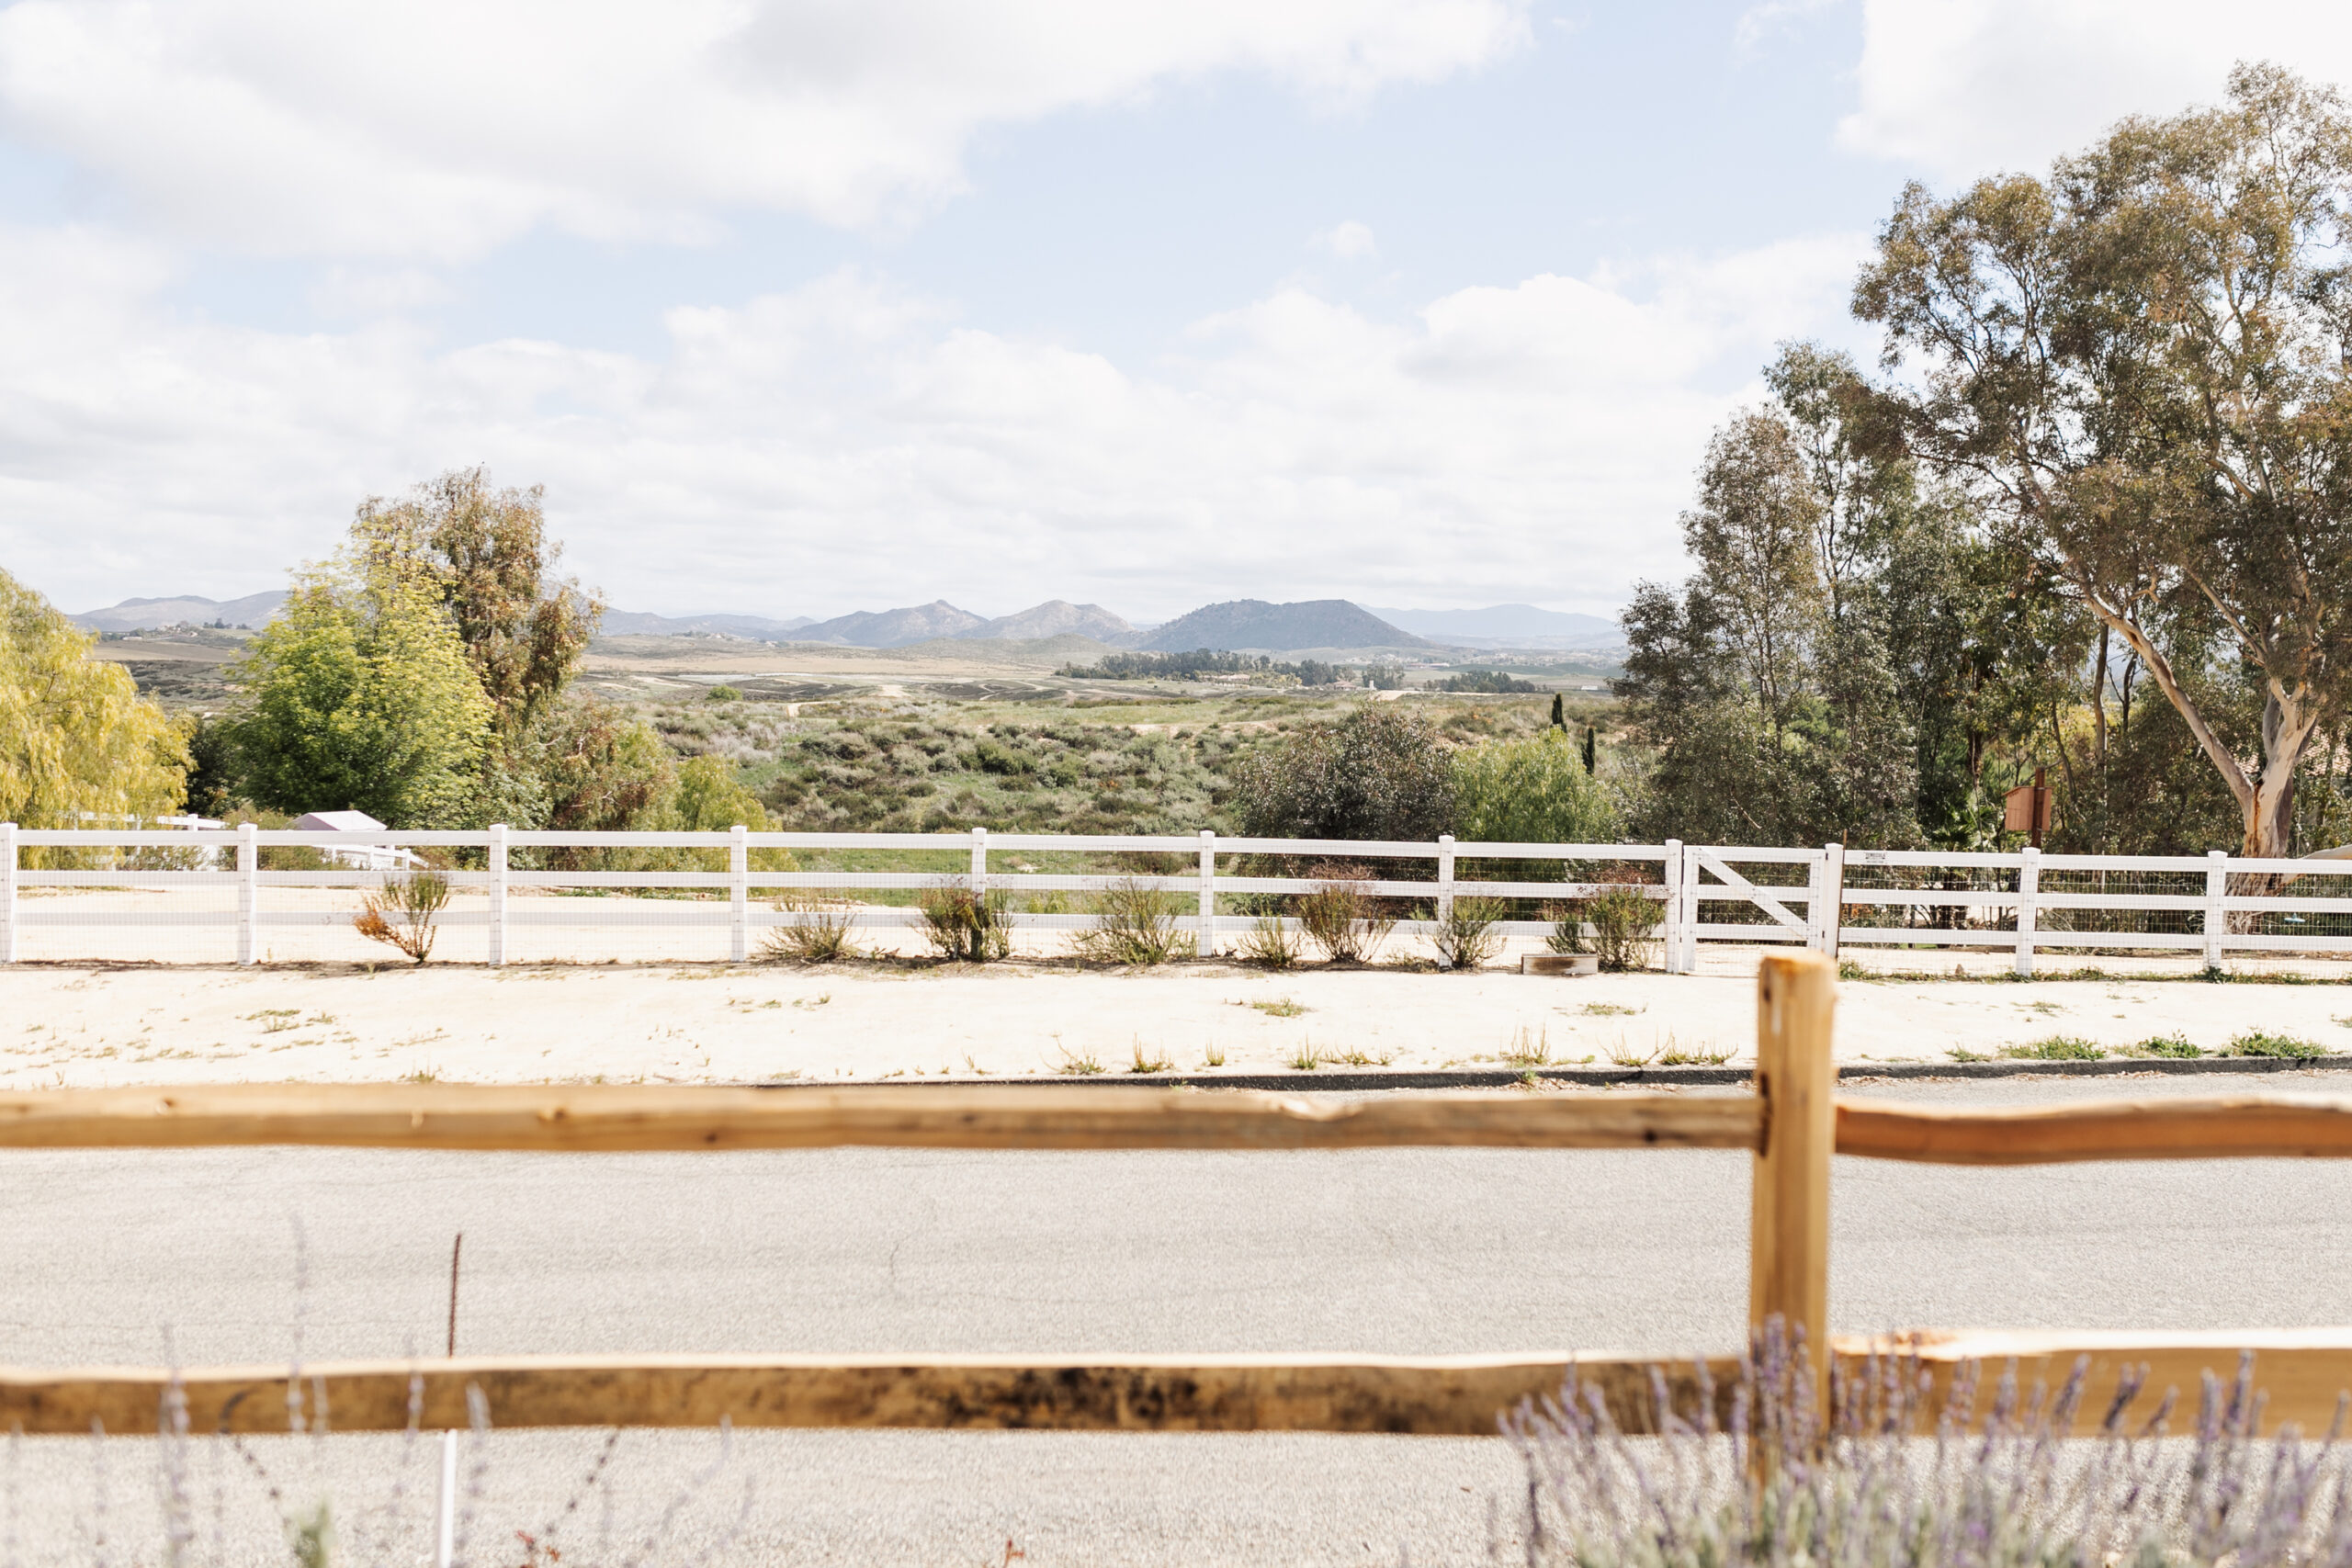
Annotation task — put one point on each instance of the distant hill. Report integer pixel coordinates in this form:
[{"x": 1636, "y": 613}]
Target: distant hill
[
  {"x": 893, "y": 629},
  {"x": 1056, "y": 618},
  {"x": 1254, "y": 625},
  {"x": 758, "y": 629},
  {"x": 145, "y": 614},
  {"x": 1511, "y": 625}
]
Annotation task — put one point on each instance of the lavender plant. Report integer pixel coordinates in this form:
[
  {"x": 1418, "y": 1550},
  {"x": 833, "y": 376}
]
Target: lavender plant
[{"x": 1753, "y": 1474}]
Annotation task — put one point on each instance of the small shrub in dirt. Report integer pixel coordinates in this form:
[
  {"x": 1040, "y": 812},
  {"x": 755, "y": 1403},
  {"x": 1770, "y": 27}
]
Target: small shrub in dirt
[
  {"x": 405, "y": 913},
  {"x": 2261, "y": 1042},
  {"x": 1133, "y": 923},
  {"x": 2057, "y": 1048},
  {"x": 1466, "y": 937},
  {"x": 964, "y": 926},
  {"x": 1624, "y": 923},
  {"x": 1271, "y": 945},
  {"x": 818, "y": 931},
  {"x": 1344, "y": 920}
]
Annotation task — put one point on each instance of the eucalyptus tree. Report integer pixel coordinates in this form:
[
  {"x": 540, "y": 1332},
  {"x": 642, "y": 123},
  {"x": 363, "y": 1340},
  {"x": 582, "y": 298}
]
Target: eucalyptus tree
[{"x": 2143, "y": 364}]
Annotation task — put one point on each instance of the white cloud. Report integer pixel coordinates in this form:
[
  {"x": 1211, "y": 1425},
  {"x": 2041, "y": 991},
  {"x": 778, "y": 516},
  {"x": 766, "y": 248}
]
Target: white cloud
[
  {"x": 1968, "y": 87},
  {"x": 1771, "y": 18},
  {"x": 847, "y": 446},
  {"x": 1351, "y": 240},
  {"x": 437, "y": 128}
]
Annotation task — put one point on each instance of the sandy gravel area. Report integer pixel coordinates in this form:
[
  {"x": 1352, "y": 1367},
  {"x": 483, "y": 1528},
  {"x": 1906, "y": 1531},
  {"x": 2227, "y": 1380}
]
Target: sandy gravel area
[{"x": 700, "y": 1023}]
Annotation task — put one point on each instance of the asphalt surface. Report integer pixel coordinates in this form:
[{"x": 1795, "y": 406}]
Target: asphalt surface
[{"x": 1393, "y": 1250}]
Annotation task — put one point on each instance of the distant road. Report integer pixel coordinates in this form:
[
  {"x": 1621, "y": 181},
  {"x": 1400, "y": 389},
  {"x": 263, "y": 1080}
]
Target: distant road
[{"x": 1401, "y": 1251}]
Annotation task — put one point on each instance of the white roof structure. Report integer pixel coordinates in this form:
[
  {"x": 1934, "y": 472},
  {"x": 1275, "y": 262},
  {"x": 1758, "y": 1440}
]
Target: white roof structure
[{"x": 337, "y": 822}]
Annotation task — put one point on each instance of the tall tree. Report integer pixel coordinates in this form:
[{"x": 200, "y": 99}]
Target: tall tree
[
  {"x": 2144, "y": 363},
  {"x": 362, "y": 700},
  {"x": 75, "y": 735},
  {"x": 487, "y": 555}
]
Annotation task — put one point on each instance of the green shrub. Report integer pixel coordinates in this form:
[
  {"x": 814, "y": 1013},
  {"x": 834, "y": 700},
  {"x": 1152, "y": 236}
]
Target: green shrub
[
  {"x": 1624, "y": 921},
  {"x": 2174, "y": 1045},
  {"x": 1380, "y": 773},
  {"x": 1466, "y": 937},
  {"x": 2258, "y": 1042},
  {"x": 1534, "y": 791},
  {"x": 819, "y": 931},
  {"x": 1270, "y": 943},
  {"x": 1133, "y": 923},
  {"x": 962, "y": 925},
  {"x": 2057, "y": 1048},
  {"x": 1344, "y": 919},
  {"x": 723, "y": 694}
]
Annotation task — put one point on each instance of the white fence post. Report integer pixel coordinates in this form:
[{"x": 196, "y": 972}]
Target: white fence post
[
  {"x": 738, "y": 895},
  {"x": 1813, "y": 940},
  {"x": 1672, "y": 936},
  {"x": 2216, "y": 917},
  {"x": 980, "y": 862},
  {"x": 1444, "y": 883},
  {"x": 1833, "y": 889},
  {"x": 1205, "y": 945},
  {"x": 248, "y": 891},
  {"x": 7, "y": 892},
  {"x": 495, "y": 854},
  {"x": 2029, "y": 883}
]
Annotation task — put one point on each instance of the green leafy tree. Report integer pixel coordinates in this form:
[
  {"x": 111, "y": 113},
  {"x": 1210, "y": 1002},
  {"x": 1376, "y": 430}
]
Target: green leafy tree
[
  {"x": 486, "y": 554},
  {"x": 2140, "y": 366},
  {"x": 1378, "y": 773},
  {"x": 363, "y": 700},
  {"x": 1535, "y": 791},
  {"x": 74, "y": 734}
]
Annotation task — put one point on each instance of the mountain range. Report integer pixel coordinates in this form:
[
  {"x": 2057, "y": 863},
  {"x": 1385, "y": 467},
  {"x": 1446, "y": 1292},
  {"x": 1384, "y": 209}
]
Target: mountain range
[{"x": 1239, "y": 624}]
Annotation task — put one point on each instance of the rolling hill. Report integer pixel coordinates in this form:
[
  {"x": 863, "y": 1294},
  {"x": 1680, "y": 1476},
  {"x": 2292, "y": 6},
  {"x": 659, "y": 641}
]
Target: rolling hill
[{"x": 1257, "y": 625}]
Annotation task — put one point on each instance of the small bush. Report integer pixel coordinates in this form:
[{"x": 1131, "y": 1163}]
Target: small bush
[
  {"x": 962, "y": 925},
  {"x": 2057, "y": 1048},
  {"x": 2258, "y": 1042},
  {"x": 723, "y": 694},
  {"x": 2174, "y": 1045},
  {"x": 405, "y": 913},
  {"x": 1133, "y": 923},
  {"x": 1270, "y": 944},
  {"x": 1380, "y": 773},
  {"x": 819, "y": 931},
  {"x": 1466, "y": 937},
  {"x": 1624, "y": 921},
  {"x": 1344, "y": 920}
]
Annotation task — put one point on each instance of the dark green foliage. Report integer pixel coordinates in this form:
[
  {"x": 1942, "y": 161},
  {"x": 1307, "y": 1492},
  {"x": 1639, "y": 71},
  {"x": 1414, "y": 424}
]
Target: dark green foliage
[
  {"x": 1202, "y": 662},
  {"x": 1494, "y": 682},
  {"x": 1378, "y": 773}
]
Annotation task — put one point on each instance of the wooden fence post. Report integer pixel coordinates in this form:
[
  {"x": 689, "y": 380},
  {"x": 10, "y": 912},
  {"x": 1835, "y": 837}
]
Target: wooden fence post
[
  {"x": 495, "y": 855},
  {"x": 1444, "y": 886},
  {"x": 738, "y": 895},
  {"x": 2029, "y": 883},
  {"x": 2216, "y": 917},
  {"x": 1206, "y": 943},
  {"x": 1796, "y": 997},
  {"x": 7, "y": 892},
  {"x": 248, "y": 891},
  {"x": 1671, "y": 933}
]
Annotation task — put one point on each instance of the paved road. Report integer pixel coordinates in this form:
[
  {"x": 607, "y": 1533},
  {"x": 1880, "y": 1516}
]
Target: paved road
[{"x": 1400, "y": 1250}]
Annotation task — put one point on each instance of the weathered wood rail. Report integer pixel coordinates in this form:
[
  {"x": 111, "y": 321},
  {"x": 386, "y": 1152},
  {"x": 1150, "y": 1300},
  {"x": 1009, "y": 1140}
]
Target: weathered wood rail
[{"x": 1792, "y": 1125}]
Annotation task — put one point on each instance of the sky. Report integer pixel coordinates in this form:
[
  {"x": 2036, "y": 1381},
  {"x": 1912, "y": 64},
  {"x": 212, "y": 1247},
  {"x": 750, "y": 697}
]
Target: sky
[{"x": 799, "y": 307}]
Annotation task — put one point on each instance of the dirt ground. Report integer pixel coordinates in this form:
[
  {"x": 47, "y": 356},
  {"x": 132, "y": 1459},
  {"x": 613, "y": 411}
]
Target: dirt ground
[{"x": 702, "y": 1023}]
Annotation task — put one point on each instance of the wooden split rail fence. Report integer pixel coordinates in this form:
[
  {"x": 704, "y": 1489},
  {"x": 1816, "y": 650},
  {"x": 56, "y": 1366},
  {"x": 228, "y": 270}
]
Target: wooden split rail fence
[{"x": 1792, "y": 1125}]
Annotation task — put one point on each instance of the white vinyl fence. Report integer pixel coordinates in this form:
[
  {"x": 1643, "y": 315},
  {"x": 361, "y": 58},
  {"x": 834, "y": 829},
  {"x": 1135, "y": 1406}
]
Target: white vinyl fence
[{"x": 252, "y": 896}]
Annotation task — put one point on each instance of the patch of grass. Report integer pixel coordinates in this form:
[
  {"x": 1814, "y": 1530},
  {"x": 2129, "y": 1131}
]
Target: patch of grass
[
  {"x": 2175, "y": 1045},
  {"x": 1683, "y": 1058},
  {"x": 1280, "y": 1007},
  {"x": 2260, "y": 1042},
  {"x": 1270, "y": 944},
  {"x": 1607, "y": 1009},
  {"x": 1357, "y": 1058},
  {"x": 1213, "y": 1057},
  {"x": 1147, "y": 1064},
  {"x": 276, "y": 1021},
  {"x": 422, "y": 1075},
  {"x": 1082, "y": 1064},
  {"x": 1849, "y": 970},
  {"x": 2055, "y": 1048},
  {"x": 1625, "y": 1054},
  {"x": 1306, "y": 1058},
  {"x": 1529, "y": 1051},
  {"x": 1962, "y": 1054}
]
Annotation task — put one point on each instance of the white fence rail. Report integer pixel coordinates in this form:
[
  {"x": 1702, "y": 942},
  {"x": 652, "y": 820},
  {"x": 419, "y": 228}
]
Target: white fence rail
[{"x": 2024, "y": 903}]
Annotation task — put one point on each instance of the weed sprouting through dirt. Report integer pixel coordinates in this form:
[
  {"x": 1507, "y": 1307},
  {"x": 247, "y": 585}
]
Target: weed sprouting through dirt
[{"x": 404, "y": 913}]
